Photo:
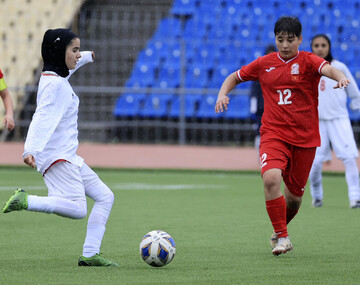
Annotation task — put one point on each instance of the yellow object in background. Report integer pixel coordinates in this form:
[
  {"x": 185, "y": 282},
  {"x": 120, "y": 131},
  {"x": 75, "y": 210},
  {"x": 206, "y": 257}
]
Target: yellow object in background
[{"x": 2, "y": 84}]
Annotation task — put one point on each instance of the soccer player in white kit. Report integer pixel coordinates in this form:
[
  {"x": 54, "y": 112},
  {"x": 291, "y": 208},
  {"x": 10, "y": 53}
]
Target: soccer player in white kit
[
  {"x": 335, "y": 127},
  {"x": 51, "y": 145}
]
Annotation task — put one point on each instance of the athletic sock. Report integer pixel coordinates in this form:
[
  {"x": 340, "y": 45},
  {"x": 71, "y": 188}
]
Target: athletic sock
[
  {"x": 59, "y": 206},
  {"x": 98, "y": 217},
  {"x": 315, "y": 178},
  {"x": 277, "y": 213},
  {"x": 352, "y": 178}
]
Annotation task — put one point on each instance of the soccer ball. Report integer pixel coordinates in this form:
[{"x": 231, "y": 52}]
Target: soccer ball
[{"x": 157, "y": 248}]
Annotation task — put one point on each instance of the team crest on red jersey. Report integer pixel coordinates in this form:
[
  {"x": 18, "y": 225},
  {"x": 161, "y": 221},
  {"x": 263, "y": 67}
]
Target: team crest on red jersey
[
  {"x": 295, "y": 72},
  {"x": 295, "y": 68}
]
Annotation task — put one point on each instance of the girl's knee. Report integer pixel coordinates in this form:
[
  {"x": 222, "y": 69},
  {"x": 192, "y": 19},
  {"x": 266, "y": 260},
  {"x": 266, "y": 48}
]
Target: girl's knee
[
  {"x": 271, "y": 181},
  {"x": 109, "y": 197},
  {"x": 81, "y": 211}
]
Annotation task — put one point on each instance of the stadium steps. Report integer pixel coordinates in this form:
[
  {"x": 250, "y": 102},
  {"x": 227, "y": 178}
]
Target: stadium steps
[{"x": 22, "y": 28}]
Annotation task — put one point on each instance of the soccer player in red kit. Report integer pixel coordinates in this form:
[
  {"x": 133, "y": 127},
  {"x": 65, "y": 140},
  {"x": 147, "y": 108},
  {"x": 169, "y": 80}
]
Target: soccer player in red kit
[{"x": 289, "y": 133}]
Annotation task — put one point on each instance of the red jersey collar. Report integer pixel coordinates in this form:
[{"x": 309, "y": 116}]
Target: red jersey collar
[
  {"x": 49, "y": 73},
  {"x": 286, "y": 61}
]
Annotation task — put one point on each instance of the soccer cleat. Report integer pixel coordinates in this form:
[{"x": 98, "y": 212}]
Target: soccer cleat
[
  {"x": 273, "y": 240},
  {"x": 283, "y": 246},
  {"x": 96, "y": 260},
  {"x": 317, "y": 203},
  {"x": 355, "y": 204},
  {"x": 17, "y": 202}
]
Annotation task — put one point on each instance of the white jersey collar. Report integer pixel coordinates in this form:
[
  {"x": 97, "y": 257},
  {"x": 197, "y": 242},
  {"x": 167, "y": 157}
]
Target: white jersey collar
[
  {"x": 47, "y": 73},
  {"x": 278, "y": 54}
]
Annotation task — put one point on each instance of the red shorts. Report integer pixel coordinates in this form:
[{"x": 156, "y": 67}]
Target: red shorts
[{"x": 295, "y": 162}]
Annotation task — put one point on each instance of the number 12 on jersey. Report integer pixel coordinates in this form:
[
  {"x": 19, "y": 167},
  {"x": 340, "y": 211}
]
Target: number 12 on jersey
[{"x": 284, "y": 97}]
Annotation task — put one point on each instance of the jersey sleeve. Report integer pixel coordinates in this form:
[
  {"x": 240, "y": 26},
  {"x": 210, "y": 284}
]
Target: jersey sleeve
[
  {"x": 2, "y": 82},
  {"x": 249, "y": 72},
  {"x": 317, "y": 62},
  {"x": 352, "y": 90},
  {"x": 86, "y": 57}
]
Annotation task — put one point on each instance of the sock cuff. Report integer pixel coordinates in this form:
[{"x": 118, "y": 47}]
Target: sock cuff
[{"x": 276, "y": 202}]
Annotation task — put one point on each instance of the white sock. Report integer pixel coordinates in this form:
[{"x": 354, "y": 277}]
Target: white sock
[
  {"x": 59, "y": 206},
  {"x": 315, "y": 178},
  {"x": 99, "y": 215},
  {"x": 352, "y": 178}
]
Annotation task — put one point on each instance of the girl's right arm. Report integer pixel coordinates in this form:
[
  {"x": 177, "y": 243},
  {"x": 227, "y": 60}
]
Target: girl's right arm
[{"x": 229, "y": 84}]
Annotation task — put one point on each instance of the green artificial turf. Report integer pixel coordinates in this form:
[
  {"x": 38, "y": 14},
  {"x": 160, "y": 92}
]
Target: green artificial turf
[{"x": 217, "y": 219}]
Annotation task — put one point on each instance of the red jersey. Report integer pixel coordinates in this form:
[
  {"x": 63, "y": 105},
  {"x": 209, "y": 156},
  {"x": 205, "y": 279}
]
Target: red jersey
[{"x": 290, "y": 91}]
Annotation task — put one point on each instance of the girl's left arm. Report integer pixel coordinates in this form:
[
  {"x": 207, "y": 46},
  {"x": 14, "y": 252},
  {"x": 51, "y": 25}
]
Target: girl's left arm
[
  {"x": 86, "y": 57},
  {"x": 335, "y": 74}
]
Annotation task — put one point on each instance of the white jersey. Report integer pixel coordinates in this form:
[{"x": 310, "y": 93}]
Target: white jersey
[
  {"x": 332, "y": 102},
  {"x": 53, "y": 132}
]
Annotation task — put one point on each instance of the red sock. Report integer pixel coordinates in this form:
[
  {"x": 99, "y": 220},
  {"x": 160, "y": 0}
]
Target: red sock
[
  {"x": 290, "y": 214},
  {"x": 277, "y": 213}
]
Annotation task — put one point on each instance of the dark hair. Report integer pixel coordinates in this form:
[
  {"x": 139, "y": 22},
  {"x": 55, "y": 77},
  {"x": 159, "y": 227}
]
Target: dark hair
[
  {"x": 289, "y": 25},
  {"x": 270, "y": 48},
  {"x": 329, "y": 57}
]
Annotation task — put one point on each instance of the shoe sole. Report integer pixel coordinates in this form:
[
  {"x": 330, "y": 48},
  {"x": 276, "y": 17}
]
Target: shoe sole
[{"x": 278, "y": 252}]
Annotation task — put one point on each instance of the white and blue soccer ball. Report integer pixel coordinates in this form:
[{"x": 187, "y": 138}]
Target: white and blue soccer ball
[{"x": 157, "y": 248}]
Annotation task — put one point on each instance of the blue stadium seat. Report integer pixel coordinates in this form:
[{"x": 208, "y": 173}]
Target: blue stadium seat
[
  {"x": 207, "y": 108},
  {"x": 143, "y": 75},
  {"x": 219, "y": 36},
  {"x": 156, "y": 105},
  {"x": 239, "y": 107},
  {"x": 220, "y": 29},
  {"x": 191, "y": 105},
  {"x": 169, "y": 28},
  {"x": 149, "y": 56},
  {"x": 160, "y": 48},
  {"x": 196, "y": 77},
  {"x": 194, "y": 30},
  {"x": 218, "y": 75},
  {"x": 207, "y": 55},
  {"x": 128, "y": 105},
  {"x": 183, "y": 7},
  {"x": 173, "y": 58},
  {"x": 169, "y": 77}
]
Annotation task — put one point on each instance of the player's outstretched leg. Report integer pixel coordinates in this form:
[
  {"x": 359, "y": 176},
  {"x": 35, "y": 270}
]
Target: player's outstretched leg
[
  {"x": 96, "y": 260},
  {"x": 17, "y": 202},
  {"x": 283, "y": 246}
]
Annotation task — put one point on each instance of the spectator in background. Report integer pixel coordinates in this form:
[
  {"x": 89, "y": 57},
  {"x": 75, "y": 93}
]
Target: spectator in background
[
  {"x": 335, "y": 127},
  {"x": 257, "y": 101},
  {"x": 9, "y": 123},
  {"x": 289, "y": 132}
]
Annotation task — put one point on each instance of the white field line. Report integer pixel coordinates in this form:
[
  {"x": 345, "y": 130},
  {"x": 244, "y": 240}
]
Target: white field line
[{"x": 133, "y": 186}]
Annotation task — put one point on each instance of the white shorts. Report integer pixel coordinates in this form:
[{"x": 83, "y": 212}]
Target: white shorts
[
  {"x": 337, "y": 135},
  {"x": 67, "y": 180}
]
